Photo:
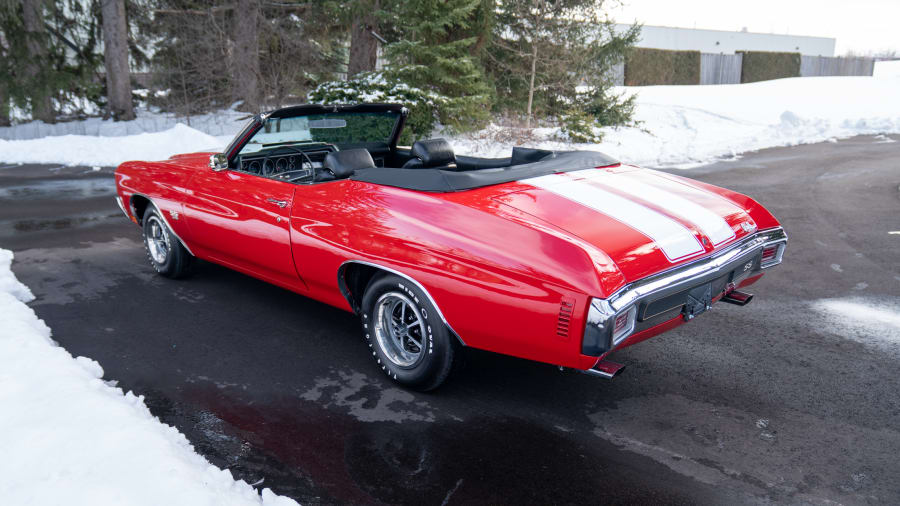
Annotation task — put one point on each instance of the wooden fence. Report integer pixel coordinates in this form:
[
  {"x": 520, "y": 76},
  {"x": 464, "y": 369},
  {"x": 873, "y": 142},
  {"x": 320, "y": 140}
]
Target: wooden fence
[
  {"x": 812, "y": 66},
  {"x": 720, "y": 68}
]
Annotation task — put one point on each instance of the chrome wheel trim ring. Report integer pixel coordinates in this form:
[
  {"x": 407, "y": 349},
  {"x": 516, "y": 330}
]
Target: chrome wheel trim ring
[
  {"x": 157, "y": 240},
  {"x": 399, "y": 329}
]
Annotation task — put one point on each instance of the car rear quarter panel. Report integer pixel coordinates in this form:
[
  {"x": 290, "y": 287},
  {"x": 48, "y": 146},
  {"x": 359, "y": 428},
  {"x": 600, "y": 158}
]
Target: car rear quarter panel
[{"x": 499, "y": 284}]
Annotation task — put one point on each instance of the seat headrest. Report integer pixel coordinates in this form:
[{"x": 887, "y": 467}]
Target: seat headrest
[
  {"x": 345, "y": 163},
  {"x": 433, "y": 152}
]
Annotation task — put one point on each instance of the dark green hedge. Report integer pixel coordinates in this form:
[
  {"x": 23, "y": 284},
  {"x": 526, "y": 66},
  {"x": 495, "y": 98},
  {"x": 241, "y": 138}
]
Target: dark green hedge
[
  {"x": 764, "y": 66},
  {"x": 645, "y": 67}
]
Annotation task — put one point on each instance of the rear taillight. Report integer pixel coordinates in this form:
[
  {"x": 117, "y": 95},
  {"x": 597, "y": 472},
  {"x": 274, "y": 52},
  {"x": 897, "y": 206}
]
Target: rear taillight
[
  {"x": 771, "y": 254},
  {"x": 605, "y": 327},
  {"x": 621, "y": 323}
]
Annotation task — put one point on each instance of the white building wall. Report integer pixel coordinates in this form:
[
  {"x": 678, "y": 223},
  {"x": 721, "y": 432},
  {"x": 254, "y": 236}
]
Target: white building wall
[{"x": 718, "y": 41}]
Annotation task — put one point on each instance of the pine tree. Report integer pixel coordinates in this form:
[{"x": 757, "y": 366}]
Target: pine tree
[
  {"x": 555, "y": 58},
  {"x": 36, "y": 66},
  {"x": 50, "y": 56},
  {"x": 434, "y": 53},
  {"x": 115, "y": 48}
]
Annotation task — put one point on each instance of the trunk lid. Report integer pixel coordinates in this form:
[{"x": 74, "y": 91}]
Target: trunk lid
[{"x": 645, "y": 221}]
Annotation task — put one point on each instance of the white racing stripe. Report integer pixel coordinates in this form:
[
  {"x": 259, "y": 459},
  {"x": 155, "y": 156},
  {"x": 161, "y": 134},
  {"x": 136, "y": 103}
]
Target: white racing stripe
[
  {"x": 672, "y": 238},
  {"x": 713, "y": 225}
]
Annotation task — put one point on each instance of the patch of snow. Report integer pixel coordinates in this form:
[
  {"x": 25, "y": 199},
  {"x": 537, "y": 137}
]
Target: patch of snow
[
  {"x": 8, "y": 282},
  {"x": 68, "y": 437},
  {"x": 870, "y": 321}
]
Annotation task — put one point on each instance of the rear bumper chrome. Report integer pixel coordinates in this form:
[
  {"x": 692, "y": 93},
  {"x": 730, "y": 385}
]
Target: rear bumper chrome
[
  {"x": 661, "y": 295},
  {"x": 697, "y": 272}
]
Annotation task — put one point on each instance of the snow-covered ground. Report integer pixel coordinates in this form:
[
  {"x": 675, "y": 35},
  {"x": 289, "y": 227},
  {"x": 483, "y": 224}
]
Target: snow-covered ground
[
  {"x": 690, "y": 125},
  {"x": 68, "y": 437},
  {"x": 680, "y": 126},
  {"x": 887, "y": 68},
  {"x": 110, "y": 150}
]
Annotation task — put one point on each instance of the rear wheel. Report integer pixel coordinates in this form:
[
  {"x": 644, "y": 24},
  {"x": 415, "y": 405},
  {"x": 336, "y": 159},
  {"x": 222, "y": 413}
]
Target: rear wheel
[
  {"x": 406, "y": 337},
  {"x": 164, "y": 250}
]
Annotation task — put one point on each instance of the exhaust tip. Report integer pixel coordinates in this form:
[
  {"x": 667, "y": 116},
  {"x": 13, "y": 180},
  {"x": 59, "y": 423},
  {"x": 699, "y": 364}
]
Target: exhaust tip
[
  {"x": 606, "y": 369},
  {"x": 738, "y": 298}
]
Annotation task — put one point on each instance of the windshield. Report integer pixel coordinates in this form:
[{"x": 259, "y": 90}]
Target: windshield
[{"x": 342, "y": 128}]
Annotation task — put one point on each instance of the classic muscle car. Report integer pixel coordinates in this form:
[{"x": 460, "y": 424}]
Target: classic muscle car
[{"x": 558, "y": 257}]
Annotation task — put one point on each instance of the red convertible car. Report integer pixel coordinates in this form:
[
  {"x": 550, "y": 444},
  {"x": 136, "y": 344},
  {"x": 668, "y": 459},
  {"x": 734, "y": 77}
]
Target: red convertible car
[{"x": 558, "y": 257}]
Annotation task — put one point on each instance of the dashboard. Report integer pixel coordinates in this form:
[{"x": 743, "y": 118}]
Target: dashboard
[{"x": 292, "y": 163}]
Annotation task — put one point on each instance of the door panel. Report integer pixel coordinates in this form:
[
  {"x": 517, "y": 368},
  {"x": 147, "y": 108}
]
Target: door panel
[{"x": 243, "y": 220}]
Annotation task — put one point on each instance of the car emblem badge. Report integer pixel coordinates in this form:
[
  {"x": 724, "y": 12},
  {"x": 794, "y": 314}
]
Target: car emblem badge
[
  {"x": 748, "y": 227},
  {"x": 748, "y": 266},
  {"x": 174, "y": 214}
]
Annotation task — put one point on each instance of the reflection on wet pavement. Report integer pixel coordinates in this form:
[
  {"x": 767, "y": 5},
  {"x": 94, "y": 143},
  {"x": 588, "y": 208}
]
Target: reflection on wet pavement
[
  {"x": 60, "y": 189},
  {"x": 9, "y": 227},
  {"x": 50, "y": 202},
  {"x": 326, "y": 454}
]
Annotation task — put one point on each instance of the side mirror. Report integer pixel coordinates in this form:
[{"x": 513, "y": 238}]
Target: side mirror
[{"x": 218, "y": 162}]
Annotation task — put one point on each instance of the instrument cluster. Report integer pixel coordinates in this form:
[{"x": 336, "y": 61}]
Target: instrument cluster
[{"x": 277, "y": 164}]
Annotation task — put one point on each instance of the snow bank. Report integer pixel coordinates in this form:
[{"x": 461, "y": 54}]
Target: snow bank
[
  {"x": 691, "y": 125},
  {"x": 887, "y": 68},
  {"x": 69, "y": 438},
  {"x": 225, "y": 122},
  {"x": 680, "y": 125},
  {"x": 110, "y": 151}
]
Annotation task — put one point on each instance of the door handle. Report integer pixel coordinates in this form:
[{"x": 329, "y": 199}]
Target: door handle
[{"x": 280, "y": 203}]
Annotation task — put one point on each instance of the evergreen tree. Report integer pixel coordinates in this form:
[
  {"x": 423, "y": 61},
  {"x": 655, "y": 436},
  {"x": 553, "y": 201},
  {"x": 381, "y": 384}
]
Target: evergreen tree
[
  {"x": 555, "y": 58},
  {"x": 51, "y": 58},
  {"x": 435, "y": 53}
]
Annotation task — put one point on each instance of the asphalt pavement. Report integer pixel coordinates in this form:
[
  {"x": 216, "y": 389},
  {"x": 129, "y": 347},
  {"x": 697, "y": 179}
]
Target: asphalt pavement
[{"x": 792, "y": 399}]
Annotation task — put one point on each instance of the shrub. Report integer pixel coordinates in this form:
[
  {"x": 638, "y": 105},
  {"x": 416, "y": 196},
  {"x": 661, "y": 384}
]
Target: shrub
[
  {"x": 374, "y": 87},
  {"x": 579, "y": 126},
  {"x": 763, "y": 66},
  {"x": 646, "y": 67}
]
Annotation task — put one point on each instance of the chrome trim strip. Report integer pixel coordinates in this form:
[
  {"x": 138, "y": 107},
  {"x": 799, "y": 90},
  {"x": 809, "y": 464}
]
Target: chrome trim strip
[
  {"x": 402, "y": 275},
  {"x": 122, "y": 207},
  {"x": 599, "y": 374},
  {"x": 685, "y": 274},
  {"x": 163, "y": 215}
]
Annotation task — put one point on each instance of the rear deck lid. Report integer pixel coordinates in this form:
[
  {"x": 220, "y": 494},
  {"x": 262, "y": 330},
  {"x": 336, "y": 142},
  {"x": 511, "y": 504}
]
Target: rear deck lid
[{"x": 645, "y": 221}]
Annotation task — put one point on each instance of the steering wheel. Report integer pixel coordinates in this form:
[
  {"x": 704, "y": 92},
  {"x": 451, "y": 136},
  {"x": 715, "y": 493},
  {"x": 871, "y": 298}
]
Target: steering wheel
[{"x": 279, "y": 150}]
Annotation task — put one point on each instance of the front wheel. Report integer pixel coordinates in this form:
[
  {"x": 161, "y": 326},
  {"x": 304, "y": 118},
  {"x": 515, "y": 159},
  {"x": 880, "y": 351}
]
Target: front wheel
[
  {"x": 166, "y": 254},
  {"x": 405, "y": 334}
]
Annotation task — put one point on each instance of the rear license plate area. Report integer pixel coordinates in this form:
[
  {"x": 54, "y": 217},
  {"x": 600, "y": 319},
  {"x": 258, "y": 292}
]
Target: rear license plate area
[
  {"x": 690, "y": 301},
  {"x": 697, "y": 302}
]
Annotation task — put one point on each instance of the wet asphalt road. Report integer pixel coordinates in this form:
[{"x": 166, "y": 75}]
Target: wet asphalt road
[{"x": 792, "y": 399}]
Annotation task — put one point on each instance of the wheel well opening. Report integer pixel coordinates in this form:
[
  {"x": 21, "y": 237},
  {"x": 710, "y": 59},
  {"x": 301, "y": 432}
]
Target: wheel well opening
[
  {"x": 353, "y": 279},
  {"x": 139, "y": 205}
]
